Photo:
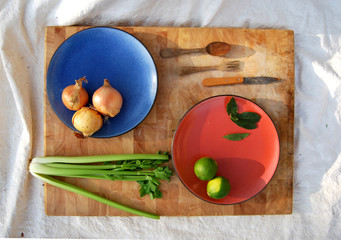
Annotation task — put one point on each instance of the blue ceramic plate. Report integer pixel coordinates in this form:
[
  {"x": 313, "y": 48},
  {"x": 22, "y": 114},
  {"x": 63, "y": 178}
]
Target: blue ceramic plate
[{"x": 99, "y": 53}]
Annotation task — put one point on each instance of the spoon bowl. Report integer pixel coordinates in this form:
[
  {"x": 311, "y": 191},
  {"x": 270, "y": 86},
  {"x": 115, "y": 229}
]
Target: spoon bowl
[
  {"x": 218, "y": 48},
  {"x": 214, "y": 49}
]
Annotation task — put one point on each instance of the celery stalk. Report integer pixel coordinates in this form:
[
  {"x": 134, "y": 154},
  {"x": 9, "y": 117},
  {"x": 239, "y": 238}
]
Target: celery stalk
[
  {"x": 79, "y": 166},
  {"x": 122, "y": 178},
  {"x": 98, "y": 158},
  {"x": 48, "y": 170},
  {"x": 78, "y": 190},
  {"x": 145, "y": 169}
]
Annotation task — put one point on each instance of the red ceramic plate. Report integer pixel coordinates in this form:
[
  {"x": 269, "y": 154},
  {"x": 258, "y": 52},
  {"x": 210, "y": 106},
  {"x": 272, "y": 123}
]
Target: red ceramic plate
[{"x": 249, "y": 164}]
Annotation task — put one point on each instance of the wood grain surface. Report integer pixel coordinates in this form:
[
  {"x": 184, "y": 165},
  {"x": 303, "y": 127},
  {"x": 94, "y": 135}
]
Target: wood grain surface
[{"x": 264, "y": 52}]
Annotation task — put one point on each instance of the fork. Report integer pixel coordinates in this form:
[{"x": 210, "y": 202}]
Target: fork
[{"x": 230, "y": 66}]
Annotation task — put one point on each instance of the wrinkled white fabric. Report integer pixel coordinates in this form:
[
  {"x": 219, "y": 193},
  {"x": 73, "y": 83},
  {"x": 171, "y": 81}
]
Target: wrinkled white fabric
[{"x": 317, "y": 174}]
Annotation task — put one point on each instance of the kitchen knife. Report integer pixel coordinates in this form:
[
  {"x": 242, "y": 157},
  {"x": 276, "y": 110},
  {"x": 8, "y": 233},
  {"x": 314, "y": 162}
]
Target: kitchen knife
[{"x": 208, "y": 82}]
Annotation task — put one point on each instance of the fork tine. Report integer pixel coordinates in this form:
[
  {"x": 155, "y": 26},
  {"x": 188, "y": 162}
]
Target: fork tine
[{"x": 230, "y": 66}]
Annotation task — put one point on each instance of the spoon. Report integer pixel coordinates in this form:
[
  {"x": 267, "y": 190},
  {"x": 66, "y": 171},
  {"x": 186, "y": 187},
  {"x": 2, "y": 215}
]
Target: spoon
[{"x": 214, "y": 49}]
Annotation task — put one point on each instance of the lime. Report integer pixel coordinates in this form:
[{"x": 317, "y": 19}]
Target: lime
[
  {"x": 218, "y": 187},
  {"x": 205, "y": 168}
]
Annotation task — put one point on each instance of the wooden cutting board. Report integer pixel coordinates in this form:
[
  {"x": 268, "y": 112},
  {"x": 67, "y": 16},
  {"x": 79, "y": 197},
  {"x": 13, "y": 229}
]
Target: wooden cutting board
[{"x": 265, "y": 52}]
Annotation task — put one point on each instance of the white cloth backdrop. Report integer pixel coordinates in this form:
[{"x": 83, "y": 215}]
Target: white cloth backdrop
[{"x": 317, "y": 178}]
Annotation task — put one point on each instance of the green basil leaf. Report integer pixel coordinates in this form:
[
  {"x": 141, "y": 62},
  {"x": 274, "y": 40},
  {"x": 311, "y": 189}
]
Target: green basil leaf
[
  {"x": 245, "y": 124},
  {"x": 232, "y": 108},
  {"x": 234, "y": 118},
  {"x": 236, "y": 136},
  {"x": 245, "y": 120},
  {"x": 248, "y": 126},
  {"x": 252, "y": 117}
]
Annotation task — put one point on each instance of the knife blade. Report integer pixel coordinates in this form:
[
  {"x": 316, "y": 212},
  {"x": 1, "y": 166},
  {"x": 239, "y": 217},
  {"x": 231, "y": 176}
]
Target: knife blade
[{"x": 209, "y": 82}]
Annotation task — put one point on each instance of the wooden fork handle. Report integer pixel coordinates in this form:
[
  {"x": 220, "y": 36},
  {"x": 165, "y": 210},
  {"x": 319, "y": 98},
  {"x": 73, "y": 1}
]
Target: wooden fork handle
[
  {"x": 209, "y": 82},
  {"x": 189, "y": 69}
]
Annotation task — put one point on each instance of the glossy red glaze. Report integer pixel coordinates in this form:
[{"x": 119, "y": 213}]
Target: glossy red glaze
[{"x": 249, "y": 164}]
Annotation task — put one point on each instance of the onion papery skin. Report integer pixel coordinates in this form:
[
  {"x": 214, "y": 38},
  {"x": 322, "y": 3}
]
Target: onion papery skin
[
  {"x": 87, "y": 121},
  {"x": 107, "y": 100},
  {"x": 75, "y": 97}
]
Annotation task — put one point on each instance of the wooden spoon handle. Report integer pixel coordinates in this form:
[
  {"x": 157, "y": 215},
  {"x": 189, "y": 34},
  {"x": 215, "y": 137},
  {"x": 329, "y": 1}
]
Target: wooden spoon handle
[{"x": 174, "y": 52}]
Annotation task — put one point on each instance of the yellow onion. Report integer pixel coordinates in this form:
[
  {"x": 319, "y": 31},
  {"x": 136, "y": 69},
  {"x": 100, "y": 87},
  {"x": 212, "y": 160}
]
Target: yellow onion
[
  {"x": 107, "y": 100},
  {"x": 75, "y": 96},
  {"x": 87, "y": 121}
]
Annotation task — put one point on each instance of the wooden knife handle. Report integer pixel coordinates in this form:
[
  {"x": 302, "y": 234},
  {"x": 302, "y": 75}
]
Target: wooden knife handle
[{"x": 208, "y": 82}]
